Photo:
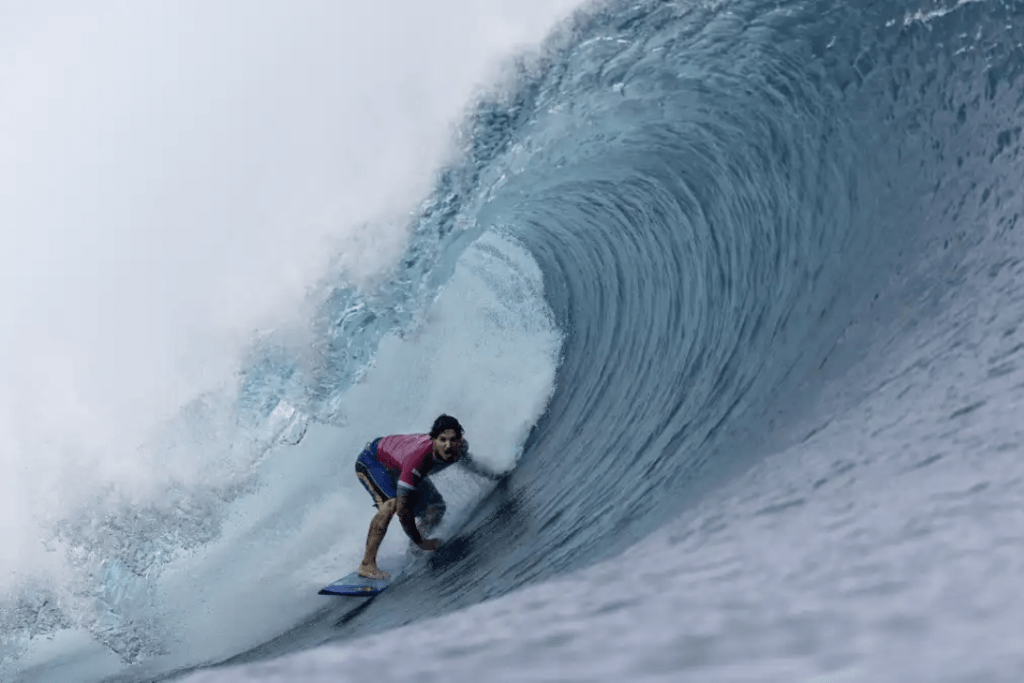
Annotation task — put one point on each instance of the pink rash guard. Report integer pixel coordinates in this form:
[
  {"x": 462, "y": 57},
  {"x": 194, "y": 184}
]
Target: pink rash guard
[{"x": 408, "y": 454}]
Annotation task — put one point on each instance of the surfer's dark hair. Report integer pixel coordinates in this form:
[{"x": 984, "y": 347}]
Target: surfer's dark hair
[{"x": 444, "y": 422}]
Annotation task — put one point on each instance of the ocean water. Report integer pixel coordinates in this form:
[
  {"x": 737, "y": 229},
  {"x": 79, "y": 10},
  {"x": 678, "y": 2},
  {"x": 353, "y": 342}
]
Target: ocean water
[{"x": 728, "y": 289}]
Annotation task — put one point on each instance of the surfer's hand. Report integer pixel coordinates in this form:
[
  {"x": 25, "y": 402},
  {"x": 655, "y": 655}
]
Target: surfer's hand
[{"x": 429, "y": 543}]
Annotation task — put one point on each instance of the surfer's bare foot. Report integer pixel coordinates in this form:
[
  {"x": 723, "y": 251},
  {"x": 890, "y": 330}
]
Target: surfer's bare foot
[{"x": 371, "y": 571}]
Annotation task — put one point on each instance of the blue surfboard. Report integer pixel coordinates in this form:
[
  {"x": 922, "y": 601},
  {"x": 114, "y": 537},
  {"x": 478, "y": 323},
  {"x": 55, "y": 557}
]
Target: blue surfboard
[{"x": 356, "y": 585}]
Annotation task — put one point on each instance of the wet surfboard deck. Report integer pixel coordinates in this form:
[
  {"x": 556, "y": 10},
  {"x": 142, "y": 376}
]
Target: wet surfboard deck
[{"x": 358, "y": 586}]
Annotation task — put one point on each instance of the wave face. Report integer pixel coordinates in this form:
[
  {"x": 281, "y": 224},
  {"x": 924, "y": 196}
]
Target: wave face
[{"x": 777, "y": 245}]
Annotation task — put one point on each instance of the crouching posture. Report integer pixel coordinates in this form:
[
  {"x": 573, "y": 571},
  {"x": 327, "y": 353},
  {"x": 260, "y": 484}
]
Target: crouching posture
[{"x": 394, "y": 470}]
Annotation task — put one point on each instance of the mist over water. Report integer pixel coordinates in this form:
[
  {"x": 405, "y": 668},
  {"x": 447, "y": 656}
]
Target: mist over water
[
  {"x": 180, "y": 186},
  {"x": 730, "y": 289}
]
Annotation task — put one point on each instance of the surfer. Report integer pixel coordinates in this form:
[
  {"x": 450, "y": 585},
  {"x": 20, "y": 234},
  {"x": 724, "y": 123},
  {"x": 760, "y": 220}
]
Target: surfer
[{"x": 394, "y": 470}]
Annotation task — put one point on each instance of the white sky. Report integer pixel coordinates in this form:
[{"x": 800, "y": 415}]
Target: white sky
[{"x": 173, "y": 175}]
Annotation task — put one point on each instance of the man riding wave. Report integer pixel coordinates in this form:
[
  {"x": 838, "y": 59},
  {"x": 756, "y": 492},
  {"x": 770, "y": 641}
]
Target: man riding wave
[{"x": 394, "y": 470}]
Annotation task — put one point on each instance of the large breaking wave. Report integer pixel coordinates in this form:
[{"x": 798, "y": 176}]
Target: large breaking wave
[{"x": 682, "y": 235}]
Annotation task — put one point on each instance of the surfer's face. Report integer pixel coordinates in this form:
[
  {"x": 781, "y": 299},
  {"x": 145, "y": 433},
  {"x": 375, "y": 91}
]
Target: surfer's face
[{"x": 447, "y": 445}]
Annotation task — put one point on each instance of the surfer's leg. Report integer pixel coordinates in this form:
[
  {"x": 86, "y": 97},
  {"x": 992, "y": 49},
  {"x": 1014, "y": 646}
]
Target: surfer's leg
[
  {"x": 378, "y": 527},
  {"x": 379, "y": 484}
]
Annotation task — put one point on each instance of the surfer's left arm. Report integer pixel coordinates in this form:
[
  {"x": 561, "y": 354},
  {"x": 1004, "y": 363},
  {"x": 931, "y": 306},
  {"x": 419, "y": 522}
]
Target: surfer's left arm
[{"x": 476, "y": 468}]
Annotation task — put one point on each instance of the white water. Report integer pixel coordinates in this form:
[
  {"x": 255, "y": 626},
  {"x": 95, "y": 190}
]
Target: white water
[{"x": 173, "y": 178}]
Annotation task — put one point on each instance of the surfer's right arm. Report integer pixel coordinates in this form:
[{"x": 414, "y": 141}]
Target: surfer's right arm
[{"x": 406, "y": 504}]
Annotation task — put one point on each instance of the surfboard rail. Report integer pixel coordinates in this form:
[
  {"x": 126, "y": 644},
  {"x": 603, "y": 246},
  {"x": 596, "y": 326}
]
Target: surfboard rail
[{"x": 356, "y": 586}]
